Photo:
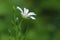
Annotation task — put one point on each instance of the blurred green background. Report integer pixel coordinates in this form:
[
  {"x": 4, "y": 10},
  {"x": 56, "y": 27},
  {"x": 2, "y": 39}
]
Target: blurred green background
[{"x": 45, "y": 27}]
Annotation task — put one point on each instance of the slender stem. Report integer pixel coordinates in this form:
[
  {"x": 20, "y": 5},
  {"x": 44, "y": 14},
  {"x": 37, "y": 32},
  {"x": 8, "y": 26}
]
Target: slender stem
[
  {"x": 20, "y": 36},
  {"x": 20, "y": 24}
]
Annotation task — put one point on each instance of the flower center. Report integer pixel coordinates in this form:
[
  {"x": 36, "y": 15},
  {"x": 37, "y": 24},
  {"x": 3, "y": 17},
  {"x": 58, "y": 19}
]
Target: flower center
[{"x": 25, "y": 15}]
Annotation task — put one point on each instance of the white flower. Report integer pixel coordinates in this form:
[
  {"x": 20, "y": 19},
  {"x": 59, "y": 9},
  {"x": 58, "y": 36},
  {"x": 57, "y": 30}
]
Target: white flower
[{"x": 26, "y": 14}]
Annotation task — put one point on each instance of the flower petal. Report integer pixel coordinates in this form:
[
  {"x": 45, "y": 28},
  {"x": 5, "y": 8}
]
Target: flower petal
[
  {"x": 26, "y": 10},
  {"x": 20, "y": 9},
  {"x": 31, "y": 13},
  {"x": 32, "y": 17}
]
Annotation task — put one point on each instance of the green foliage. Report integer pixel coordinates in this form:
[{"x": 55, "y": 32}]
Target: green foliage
[{"x": 45, "y": 27}]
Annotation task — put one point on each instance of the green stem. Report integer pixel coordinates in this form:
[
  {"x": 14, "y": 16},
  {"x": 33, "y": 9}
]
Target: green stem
[
  {"x": 20, "y": 36},
  {"x": 20, "y": 24}
]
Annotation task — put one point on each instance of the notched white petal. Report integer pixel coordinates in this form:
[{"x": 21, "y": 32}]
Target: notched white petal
[
  {"x": 19, "y": 9},
  {"x": 26, "y": 10},
  {"x": 32, "y": 17},
  {"x": 31, "y": 13}
]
